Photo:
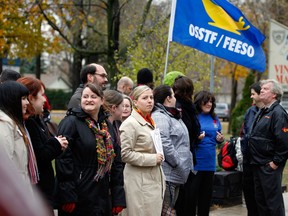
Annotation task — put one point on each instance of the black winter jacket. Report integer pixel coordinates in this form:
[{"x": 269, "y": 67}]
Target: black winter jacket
[
  {"x": 191, "y": 121},
  {"x": 268, "y": 139},
  {"x": 77, "y": 166},
  {"x": 46, "y": 149},
  {"x": 248, "y": 121}
]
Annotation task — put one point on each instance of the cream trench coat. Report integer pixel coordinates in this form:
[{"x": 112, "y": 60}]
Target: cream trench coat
[
  {"x": 12, "y": 143},
  {"x": 144, "y": 181}
]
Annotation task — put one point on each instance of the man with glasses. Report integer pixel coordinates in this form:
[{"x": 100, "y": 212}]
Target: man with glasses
[{"x": 92, "y": 73}]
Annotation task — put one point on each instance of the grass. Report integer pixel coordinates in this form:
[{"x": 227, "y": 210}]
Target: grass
[{"x": 57, "y": 115}]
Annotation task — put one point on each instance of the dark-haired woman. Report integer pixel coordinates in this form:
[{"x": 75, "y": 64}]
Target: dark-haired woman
[
  {"x": 184, "y": 89},
  {"x": 175, "y": 140},
  {"x": 14, "y": 140},
  {"x": 202, "y": 185},
  {"x": 89, "y": 172}
]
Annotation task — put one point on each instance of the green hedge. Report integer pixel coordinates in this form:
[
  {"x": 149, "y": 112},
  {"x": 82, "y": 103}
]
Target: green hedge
[
  {"x": 239, "y": 111},
  {"x": 58, "y": 99}
]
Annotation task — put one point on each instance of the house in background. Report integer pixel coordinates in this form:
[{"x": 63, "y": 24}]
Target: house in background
[{"x": 53, "y": 81}]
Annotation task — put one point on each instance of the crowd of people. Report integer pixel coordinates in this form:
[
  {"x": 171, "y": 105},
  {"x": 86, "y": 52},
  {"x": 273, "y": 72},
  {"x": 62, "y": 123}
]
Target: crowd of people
[{"x": 136, "y": 150}]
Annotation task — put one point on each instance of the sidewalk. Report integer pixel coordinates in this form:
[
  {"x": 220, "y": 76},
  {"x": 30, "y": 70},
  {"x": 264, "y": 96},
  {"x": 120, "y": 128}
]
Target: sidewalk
[{"x": 239, "y": 210}]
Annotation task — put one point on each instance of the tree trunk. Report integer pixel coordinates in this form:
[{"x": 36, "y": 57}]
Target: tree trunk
[
  {"x": 38, "y": 67},
  {"x": 113, "y": 13},
  {"x": 76, "y": 68},
  {"x": 1, "y": 66},
  {"x": 77, "y": 41}
]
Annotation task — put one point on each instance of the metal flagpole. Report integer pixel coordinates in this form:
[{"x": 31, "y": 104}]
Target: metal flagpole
[
  {"x": 166, "y": 61},
  {"x": 212, "y": 74},
  {"x": 171, "y": 25}
]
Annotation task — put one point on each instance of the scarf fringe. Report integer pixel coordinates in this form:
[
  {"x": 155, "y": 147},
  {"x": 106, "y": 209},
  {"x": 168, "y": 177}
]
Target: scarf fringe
[{"x": 104, "y": 148}]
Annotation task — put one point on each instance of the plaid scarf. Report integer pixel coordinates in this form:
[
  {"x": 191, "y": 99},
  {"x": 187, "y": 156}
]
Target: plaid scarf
[{"x": 104, "y": 148}]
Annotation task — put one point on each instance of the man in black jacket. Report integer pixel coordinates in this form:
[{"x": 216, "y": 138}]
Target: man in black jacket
[
  {"x": 268, "y": 146},
  {"x": 247, "y": 176}
]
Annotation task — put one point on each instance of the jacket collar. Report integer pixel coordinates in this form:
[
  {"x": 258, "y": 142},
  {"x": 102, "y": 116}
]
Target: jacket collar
[
  {"x": 271, "y": 107},
  {"x": 140, "y": 119},
  {"x": 78, "y": 112}
]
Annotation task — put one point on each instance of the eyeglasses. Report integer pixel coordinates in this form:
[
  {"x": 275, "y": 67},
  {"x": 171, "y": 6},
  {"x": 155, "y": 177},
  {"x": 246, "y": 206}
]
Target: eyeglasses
[
  {"x": 102, "y": 75},
  {"x": 126, "y": 106}
]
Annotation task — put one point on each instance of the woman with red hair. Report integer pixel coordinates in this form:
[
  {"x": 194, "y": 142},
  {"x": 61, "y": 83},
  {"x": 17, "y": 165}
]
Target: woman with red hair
[{"x": 46, "y": 148}]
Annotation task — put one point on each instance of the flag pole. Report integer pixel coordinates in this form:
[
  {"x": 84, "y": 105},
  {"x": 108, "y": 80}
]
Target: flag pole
[
  {"x": 171, "y": 26},
  {"x": 166, "y": 60},
  {"x": 212, "y": 74}
]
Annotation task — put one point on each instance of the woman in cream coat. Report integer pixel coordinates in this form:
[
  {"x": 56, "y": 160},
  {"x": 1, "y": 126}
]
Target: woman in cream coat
[
  {"x": 13, "y": 138},
  {"x": 144, "y": 180}
]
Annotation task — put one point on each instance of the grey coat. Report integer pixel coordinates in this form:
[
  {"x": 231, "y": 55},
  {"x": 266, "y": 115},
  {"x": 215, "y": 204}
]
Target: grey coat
[
  {"x": 75, "y": 100},
  {"x": 175, "y": 140}
]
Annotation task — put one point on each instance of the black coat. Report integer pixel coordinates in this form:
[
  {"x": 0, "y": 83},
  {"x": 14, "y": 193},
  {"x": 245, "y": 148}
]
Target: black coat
[
  {"x": 268, "y": 138},
  {"x": 78, "y": 165},
  {"x": 190, "y": 119},
  {"x": 46, "y": 149}
]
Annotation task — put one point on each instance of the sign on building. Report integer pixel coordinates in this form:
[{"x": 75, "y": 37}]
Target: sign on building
[{"x": 278, "y": 53}]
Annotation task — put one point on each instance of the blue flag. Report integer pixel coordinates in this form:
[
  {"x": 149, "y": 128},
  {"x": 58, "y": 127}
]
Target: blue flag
[{"x": 218, "y": 28}]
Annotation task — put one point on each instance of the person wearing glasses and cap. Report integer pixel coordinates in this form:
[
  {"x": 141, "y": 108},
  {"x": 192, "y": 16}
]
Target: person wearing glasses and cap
[{"x": 92, "y": 73}]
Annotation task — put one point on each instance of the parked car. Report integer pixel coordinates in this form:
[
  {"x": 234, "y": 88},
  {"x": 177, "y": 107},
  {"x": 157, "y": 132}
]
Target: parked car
[{"x": 222, "y": 110}]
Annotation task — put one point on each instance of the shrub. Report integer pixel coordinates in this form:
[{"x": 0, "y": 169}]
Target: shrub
[
  {"x": 58, "y": 99},
  {"x": 238, "y": 113}
]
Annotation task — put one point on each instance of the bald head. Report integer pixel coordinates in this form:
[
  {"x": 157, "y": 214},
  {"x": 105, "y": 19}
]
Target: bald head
[{"x": 125, "y": 85}]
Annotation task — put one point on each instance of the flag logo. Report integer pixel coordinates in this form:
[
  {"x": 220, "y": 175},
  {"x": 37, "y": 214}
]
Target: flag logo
[{"x": 222, "y": 20}]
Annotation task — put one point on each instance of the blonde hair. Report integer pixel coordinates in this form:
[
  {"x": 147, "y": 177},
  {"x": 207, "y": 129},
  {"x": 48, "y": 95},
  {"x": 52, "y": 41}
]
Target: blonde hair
[{"x": 138, "y": 91}]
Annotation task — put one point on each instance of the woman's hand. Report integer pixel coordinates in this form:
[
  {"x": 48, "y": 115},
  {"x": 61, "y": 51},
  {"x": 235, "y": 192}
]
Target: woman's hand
[
  {"x": 202, "y": 135},
  {"x": 63, "y": 142},
  {"x": 159, "y": 158},
  {"x": 219, "y": 137}
]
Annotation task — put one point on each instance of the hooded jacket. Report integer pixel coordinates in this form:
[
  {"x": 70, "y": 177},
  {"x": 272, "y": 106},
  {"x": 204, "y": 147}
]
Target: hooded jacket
[{"x": 78, "y": 165}]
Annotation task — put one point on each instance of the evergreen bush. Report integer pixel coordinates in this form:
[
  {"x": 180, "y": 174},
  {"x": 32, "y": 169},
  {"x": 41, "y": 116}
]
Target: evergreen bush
[
  {"x": 238, "y": 113},
  {"x": 58, "y": 99}
]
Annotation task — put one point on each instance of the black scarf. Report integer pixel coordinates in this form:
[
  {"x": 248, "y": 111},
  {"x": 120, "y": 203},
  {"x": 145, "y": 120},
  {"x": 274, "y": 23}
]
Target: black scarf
[{"x": 174, "y": 111}]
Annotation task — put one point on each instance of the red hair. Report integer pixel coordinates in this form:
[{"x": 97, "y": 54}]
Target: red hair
[{"x": 34, "y": 86}]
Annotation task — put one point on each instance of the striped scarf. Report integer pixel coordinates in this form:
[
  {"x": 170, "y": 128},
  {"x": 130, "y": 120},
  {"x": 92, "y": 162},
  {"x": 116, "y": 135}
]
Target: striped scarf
[
  {"x": 104, "y": 148},
  {"x": 32, "y": 162}
]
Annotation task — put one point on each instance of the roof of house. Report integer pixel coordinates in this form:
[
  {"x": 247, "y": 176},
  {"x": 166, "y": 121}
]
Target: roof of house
[{"x": 53, "y": 81}]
